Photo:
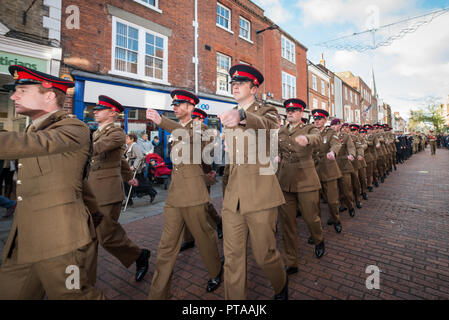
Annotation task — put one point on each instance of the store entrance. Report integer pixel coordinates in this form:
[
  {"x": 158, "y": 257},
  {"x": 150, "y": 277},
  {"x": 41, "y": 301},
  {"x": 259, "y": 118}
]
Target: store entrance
[{"x": 9, "y": 120}]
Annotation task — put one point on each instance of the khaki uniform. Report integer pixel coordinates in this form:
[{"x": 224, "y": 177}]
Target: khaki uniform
[
  {"x": 300, "y": 184},
  {"x": 381, "y": 152},
  {"x": 357, "y": 164},
  {"x": 250, "y": 206},
  {"x": 346, "y": 168},
  {"x": 433, "y": 144},
  {"x": 105, "y": 179},
  {"x": 185, "y": 206},
  {"x": 371, "y": 158},
  {"x": 363, "y": 165},
  {"x": 328, "y": 170},
  {"x": 52, "y": 228}
]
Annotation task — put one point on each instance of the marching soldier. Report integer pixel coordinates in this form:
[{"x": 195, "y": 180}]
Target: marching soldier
[
  {"x": 357, "y": 163},
  {"x": 186, "y": 200},
  {"x": 360, "y": 134},
  {"x": 373, "y": 147},
  {"x": 344, "y": 160},
  {"x": 213, "y": 217},
  {"x": 327, "y": 167},
  {"x": 299, "y": 182},
  {"x": 106, "y": 182},
  {"x": 52, "y": 227},
  {"x": 380, "y": 153},
  {"x": 253, "y": 194},
  {"x": 433, "y": 142},
  {"x": 369, "y": 154}
]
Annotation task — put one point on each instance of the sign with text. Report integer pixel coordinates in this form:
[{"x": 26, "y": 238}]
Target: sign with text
[{"x": 8, "y": 59}]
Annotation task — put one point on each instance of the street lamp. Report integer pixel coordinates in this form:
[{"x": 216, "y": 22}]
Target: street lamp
[{"x": 272, "y": 27}]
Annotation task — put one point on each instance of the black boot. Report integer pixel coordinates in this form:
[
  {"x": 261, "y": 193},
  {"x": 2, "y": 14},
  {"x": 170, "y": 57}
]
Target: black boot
[
  {"x": 291, "y": 270},
  {"x": 341, "y": 209},
  {"x": 358, "y": 205},
  {"x": 283, "y": 295},
  {"x": 310, "y": 240},
  {"x": 338, "y": 227},
  {"x": 370, "y": 189},
  {"x": 376, "y": 184},
  {"x": 319, "y": 249},
  {"x": 214, "y": 283},
  {"x": 382, "y": 179},
  {"x": 142, "y": 264},
  {"x": 187, "y": 245},
  {"x": 352, "y": 213},
  {"x": 364, "y": 196},
  {"x": 220, "y": 230}
]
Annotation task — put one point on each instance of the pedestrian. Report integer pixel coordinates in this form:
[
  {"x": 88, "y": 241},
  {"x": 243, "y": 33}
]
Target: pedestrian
[
  {"x": 432, "y": 140},
  {"x": 52, "y": 227},
  {"x": 106, "y": 182},
  {"x": 158, "y": 147},
  {"x": 253, "y": 193},
  {"x": 299, "y": 182},
  {"x": 186, "y": 200},
  {"x": 147, "y": 148}
]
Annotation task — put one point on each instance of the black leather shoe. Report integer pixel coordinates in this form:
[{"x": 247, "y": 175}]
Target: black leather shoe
[
  {"x": 382, "y": 179},
  {"x": 395, "y": 168},
  {"x": 364, "y": 196},
  {"x": 352, "y": 213},
  {"x": 291, "y": 270},
  {"x": 283, "y": 295},
  {"x": 310, "y": 240},
  {"x": 370, "y": 189},
  {"x": 338, "y": 227},
  {"x": 187, "y": 245},
  {"x": 142, "y": 264},
  {"x": 298, "y": 213},
  {"x": 330, "y": 222},
  {"x": 341, "y": 209},
  {"x": 220, "y": 230},
  {"x": 214, "y": 283},
  {"x": 376, "y": 184},
  {"x": 358, "y": 205},
  {"x": 319, "y": 249}
]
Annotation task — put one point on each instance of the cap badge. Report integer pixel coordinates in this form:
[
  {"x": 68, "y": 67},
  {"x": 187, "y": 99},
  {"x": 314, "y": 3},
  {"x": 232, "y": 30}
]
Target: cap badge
[
  {"x": 47, "y": 84},
  {"x": 236, "y": 74},
  {"x": 16, "y": 75}
]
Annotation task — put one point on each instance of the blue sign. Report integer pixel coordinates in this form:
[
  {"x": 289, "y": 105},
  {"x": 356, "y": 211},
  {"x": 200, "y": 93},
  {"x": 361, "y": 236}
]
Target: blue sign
[{"x": 204, "y": 106}]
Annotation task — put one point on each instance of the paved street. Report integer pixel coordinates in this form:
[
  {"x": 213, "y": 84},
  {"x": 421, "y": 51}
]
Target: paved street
[{"x": 403, "y": 229}]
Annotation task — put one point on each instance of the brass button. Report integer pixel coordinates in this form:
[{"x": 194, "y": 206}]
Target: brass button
[
  {"x": 19, "y": 198},
  {"x": 19, "y": 181},
  {"x": 20, "y": 165}
]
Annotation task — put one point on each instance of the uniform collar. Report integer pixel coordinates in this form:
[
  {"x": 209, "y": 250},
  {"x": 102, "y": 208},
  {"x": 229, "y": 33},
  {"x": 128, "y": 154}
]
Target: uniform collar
[
  {"x": 103, "y": 126},
  {"x": 37, "y": 122}
]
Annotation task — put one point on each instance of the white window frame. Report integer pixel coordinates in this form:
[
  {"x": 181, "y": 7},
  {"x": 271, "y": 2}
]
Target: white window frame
[
  {"x": 346, "y": 93},
  {"x": 140, "y": 53},
  {"x": 333, "y": 109},
  {"x": 249, "y": 30},
  {"x": 155, "y": 7},
  {"x": 323, "y": 105},
  {"x": 292, "y": 79},
  {"x": 356, "y": 100},
  {"x": 348, "y": 113},
  {"x": 332, "y": 89},
  {"x": 230, "y": 19},
  {"x": 315, "y": 103},
  {"x": 357, "y": 116},
  {"x": 288, "y": 43},
  {"x": 350, "y": 95},
  {"x": 323, "y": 87},
  {"x": 136, "y": 115},
  {"x": 314, "y": 83},
  {"x": 222, "y": 92}
]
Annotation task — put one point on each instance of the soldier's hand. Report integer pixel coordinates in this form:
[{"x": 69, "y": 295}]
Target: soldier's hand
[
  {"x": 230, "y": 118},
  {"x": 377, "y": 146},
  {"x": 351, "y": 158},
  {"x": 154, "y": 116},
  {"x": 133, "y": 182},
  {"x": 277, "y": 159},
  {"x": 331, "y": 155},
  {"x": 302, "y": 141},
  {"x": 212, "y": 175},
  {"x": 97, "y": 218},
  {"x": 360, "y": 158}
]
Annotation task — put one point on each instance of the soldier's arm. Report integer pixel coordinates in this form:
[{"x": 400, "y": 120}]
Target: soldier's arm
[
  {"x": 114, "y": 139},
  {"x": 359, "y": 147},
  {"x": 169, "y": 125},
  {"x": 66, "y": 136},
  {"x": 125, "y": 170},
  {"x": 335, "y": 144},
  {"x": 314, "y": 136},
  {"x": 268, "y": 120},
  {"x": 350, "y": 145}
]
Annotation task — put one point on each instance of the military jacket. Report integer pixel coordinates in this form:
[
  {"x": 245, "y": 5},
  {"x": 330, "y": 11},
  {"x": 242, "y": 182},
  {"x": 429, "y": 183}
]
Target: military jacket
[{"x": 327, "y": 170}]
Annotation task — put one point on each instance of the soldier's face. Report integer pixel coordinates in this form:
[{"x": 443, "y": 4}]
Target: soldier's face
[
  {"x": 104, "y": 115},
  {"x": 29, "y": 101},
  {"x": 320, "y": 122},
  {"x": 294, "y": 116},
  {"x": 182, "y": 110},
  {"x": 336, "y": 127},
  {"x": 242, "y": 90}
]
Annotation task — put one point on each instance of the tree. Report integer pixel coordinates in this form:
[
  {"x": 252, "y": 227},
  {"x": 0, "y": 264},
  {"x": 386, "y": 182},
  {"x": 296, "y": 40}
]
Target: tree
[{"x": 432, "y": 115}]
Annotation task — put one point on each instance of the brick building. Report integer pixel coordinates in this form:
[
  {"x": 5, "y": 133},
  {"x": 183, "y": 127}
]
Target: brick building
[
  {"x": 319, "y": 88},
  {"x": 138, "y": 51},
  {"x": 351, "y": 104},
  {"x": 29, "y": 36},
  {"x": 365, "y": 96}
]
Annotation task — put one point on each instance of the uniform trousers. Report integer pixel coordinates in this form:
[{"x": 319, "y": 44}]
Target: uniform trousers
[
  {"x": 175, "y": 221},
  {"x": 355, "y": 185},
  {"x": 32, "y": 281},
  {"x": 369, "y": 173},
  {"x": 362, "y": 179},
  {"x": 309, "y": 205},
  {"x": 433, "y": 148},
  {"x": 346, "y": 194},
  {"x": 380, "y": 166},
  {"x": 261, "y": 227},
  {"x": 330, "y": 192}
]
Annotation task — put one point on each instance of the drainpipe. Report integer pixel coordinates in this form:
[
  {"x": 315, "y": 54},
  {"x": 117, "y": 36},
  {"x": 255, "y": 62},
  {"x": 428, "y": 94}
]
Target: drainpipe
[{"x": 195, "y": 58}]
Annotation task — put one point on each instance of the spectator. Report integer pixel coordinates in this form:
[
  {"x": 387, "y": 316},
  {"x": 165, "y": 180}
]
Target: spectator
[
  {"x": 145, "y": 144},
  {"x": 158, "y": 147},
  {"x": 10, "y": 206}
]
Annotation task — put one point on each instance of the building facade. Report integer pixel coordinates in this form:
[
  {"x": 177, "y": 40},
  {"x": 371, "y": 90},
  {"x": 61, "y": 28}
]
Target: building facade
[
  {"x": 319, "y": 88},
  {"x": 30, "y": 34}
]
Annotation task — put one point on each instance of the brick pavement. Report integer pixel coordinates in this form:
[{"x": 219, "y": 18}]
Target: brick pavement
[{"x": 402, "y": 229}]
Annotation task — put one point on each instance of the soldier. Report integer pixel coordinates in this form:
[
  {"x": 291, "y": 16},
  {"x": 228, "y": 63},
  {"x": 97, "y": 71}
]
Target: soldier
[
  {"x": 253, "y": 194},
  {"x": 344, "y": 160},
  {"x": 380, "y": 153},
  {"x": 186, "y": 200},
  {"x": 370, "y": 155},
  {"x": 432, "y": 140},
  {"x": 327, "y": 166},
  {"x": 107, "y": 185},
  {"x": 360, "y": 134},
  {"x": 299, "y": 182},
  {"x": 52, "y": 228},
  {"x": 213, "y": 217},
  {"x": 357, "y": 163}
]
